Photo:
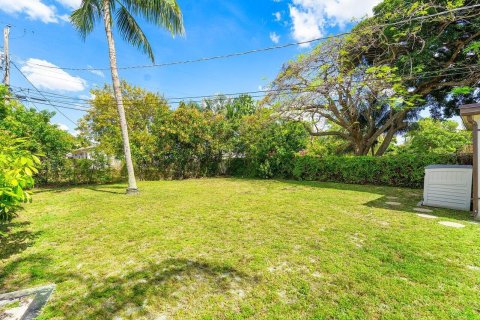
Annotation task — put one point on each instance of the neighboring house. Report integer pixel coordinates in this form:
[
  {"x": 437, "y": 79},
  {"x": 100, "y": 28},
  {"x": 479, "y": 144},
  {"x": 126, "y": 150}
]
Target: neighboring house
[
  {"x": 82, "y": 153},
  {"x": 89, "y": 154}
]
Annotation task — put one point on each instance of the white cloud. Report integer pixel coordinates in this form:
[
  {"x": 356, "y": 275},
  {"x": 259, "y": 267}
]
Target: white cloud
[
  {"x": 96, "y": 72},
  {"x": 278, "y": 16},
  {"x": 343, "y": 11},
  {"x": 34, "y": 9},
  {"x": 70, "y": 4},
  {"x": 87, "y": 97},
  {"x": 46, "y": 75},
  {"x": 39, "y": 9},
  {"x": 274, "y": 37},
  {"x": 306, "y": 24},
  {"x": 64, "y": 17},
  {"x": 311, "y": 17},
  {"x": 62, "y": 126}
]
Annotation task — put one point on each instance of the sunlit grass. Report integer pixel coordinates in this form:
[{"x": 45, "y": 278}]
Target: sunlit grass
[{"x": 236, "y": 249}]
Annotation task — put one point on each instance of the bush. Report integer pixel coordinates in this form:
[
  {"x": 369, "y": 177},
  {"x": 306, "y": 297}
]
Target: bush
[
  {"x": 267, "y": 146},
  {"x": 403, "y": 170},
  {"x": 82, "y": 171},
  {"x": 17, "y": 167}
]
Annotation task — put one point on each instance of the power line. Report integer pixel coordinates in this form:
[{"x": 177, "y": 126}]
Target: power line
[
  {"x": 48, "y": 103},
  {"x": 31, "y": 98},
  {"x": 80, "y": 102},
  {"x": 78, "y": 107},
  {"x": 231, "y": 55},
  {"x": 59, "y": 111},
  {"x": 449, "y": 73},
  {"x": 19, "y": 98}
]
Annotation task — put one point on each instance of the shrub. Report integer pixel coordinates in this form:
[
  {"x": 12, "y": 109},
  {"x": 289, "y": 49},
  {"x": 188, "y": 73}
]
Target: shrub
[
  {"x": 268, "y": 146},
  {"x": 17, "y": 167},
  {"x": 405, "y": 170}
]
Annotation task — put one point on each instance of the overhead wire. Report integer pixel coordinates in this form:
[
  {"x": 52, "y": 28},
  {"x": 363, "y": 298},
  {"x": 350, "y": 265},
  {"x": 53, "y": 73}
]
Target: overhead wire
[
  {"x": 236, "y": 54},
  {"x": 80, "y": 102},
  {"x": 56, "y": 108},
  {"x": 68, "y": 100}
]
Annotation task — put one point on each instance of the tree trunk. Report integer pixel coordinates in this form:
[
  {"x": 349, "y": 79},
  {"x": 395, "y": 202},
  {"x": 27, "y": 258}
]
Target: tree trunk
[
  {"x": 107, "y": 19},
  {"x": 396, "y": 126},
  {"x": 386, "y": 142}
]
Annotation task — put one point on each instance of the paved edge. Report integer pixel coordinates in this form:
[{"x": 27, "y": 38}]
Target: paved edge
[{"x": 42, "y": 294}]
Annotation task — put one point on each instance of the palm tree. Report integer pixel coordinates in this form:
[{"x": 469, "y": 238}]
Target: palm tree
[{"x": 164, "y": 13}]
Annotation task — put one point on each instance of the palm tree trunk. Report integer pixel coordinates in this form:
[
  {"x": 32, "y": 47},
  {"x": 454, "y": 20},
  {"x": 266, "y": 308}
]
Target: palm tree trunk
[{"x": 107, "y": 19}]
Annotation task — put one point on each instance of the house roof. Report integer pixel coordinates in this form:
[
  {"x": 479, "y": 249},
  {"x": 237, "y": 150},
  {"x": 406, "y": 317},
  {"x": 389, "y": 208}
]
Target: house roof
[
  {"x": 467, "y": 111},
  {"x": 83, "y": 149}
]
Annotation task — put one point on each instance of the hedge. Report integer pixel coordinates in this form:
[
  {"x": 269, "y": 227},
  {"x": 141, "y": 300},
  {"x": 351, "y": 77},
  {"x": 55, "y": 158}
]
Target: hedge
[{"x": 405, "y": 170}]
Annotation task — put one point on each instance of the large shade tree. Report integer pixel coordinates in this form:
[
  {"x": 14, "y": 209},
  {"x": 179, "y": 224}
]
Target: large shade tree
[
  {"x": 362, "y": 105},
  {"x": 164, "y": 13},
  {"x": 433, "y": 44},
  {"x": 365, "y": 87}
]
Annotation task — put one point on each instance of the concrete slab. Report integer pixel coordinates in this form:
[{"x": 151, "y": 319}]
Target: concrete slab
[
  {"x": 426, "y": 216},
  {"x": 422, "y": 210},
  {"x": 392, "y": 203},
  {"x": 392, "y": 198},
  {"x": 451, "y": 224},
  {"x": 27, "y": 303}
]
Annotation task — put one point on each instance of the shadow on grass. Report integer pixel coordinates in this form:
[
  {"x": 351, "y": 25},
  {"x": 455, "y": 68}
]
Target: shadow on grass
[
  {"x": 129, "y": 294},
  {"x": 104, "y": 298},
  {"x": 15, "y": 238},
  {"x": 409, "y": 198},
  {"x": 93, "y": 187},
  {"x": 52, "y": 190},
  {"x": 106, "y": 189}
]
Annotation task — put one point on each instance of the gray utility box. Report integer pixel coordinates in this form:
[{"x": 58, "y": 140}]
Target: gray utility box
[{"x": 448, "y": 186}]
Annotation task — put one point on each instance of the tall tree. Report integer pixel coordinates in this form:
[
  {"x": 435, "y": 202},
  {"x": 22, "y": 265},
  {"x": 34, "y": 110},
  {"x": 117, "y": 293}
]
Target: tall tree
[
  {"x": 359, "y": 104},
  {"x": 433, "y": 44},
  {"x": 101, "y": 124},
  {"x": 164, "y": 13}
]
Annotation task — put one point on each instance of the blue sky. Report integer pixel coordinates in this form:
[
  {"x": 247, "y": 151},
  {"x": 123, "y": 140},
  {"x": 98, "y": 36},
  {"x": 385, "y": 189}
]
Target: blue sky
[{"x": 41, "y": 34}]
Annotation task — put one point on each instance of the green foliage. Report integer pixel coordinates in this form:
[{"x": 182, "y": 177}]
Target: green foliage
[
  {"x": 40, "y": 137},
  {"x": 354, "y": 102},
  {"x": 404, "y": 170},
  {"x": 433, "y": 136},
  {"x": 17, "y": 167},
  {"x": 91, "y": 171},
  {"x": 163, "y": 13},
  {"x": 433, "y": 56},
  {"x": 268, "y": 145},
  {"x": 188, "y": 143},
  {"x": 462, "y": 90},
  {"x": 101, "y": 124},
  {"x": 192, "y": 140}
]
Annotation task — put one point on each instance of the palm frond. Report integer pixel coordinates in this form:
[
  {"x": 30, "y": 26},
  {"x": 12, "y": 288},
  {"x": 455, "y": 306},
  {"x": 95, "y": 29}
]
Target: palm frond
[
  {"x": 164, "y": 13},
  {"x": 83, "y": 19},
  {"x": 131, "y": 31}
]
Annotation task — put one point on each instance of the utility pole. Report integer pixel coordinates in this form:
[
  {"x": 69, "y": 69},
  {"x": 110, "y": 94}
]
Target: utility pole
[{"x": 6, "y": 55}]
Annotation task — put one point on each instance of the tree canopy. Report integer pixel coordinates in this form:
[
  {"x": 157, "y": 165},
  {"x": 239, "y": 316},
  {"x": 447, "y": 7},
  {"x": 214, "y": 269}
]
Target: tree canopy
[
  {"x": 434, "y": 46},
  {"x": 433, "y": 136},
  {"x": 368, "y": 86},
  {"x": 39, "y": 134},
  {"x": 357, "y": 103}
]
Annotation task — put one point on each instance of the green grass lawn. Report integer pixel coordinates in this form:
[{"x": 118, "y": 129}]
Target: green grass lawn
[{"x": 242, "y": 249}]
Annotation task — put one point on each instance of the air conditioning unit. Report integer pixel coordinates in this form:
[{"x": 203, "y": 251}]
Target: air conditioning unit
[{"x": 448, "y": 186}]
